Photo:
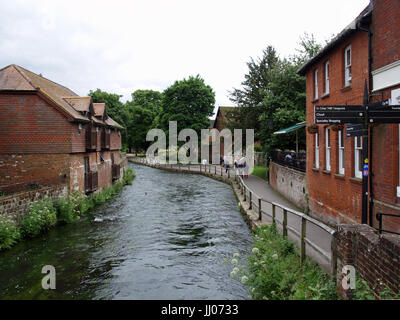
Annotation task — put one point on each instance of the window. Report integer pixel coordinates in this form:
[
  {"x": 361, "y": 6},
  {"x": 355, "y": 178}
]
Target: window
[
  {"x": 358, "y": 158},
  {"x": 341, "y": 152},
  {"x": 315, "y": 84},
  {"x": 326, "y": 77},
  {"x": 316, "y": 164},
  {"x": 347, "y": 66},
  {"x": 328, "y": 149}
]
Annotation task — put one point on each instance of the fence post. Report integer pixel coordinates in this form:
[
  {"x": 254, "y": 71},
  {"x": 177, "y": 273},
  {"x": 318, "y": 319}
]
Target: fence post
[
  {"x": 244, "y": 189},
  {"x": 259, "y": 209},
  {"x": 250, "y": 205},
  {"x": 285, "y": 223},
  {"x": 302, "y": 240},
  {"x": 273, "y": 213},
  {"x": 229, "y": 176}
]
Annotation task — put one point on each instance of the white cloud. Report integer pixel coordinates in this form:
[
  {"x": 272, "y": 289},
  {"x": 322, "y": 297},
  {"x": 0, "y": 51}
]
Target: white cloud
[{"x": 122, "y": 46}]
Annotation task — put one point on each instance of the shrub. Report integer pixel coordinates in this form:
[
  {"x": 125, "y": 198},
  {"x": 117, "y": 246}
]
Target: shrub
[
  {"x": 9, "y": 233},
  {"x": 128, "y": 176},
  {"x": 257, "y": 148},
  {"x": 42, "y": 216},
  {"x": 274, "y": 271}
]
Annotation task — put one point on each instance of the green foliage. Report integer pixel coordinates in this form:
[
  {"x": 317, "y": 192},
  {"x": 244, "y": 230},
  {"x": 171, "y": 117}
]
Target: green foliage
[
  {"x": 190, "y": 102},
  {"x": 42, "y": 216},
  {"x": 363, "y": 291},
  {"x": 260, "y": 172},
  {"x": 273, "y": 96},
  {"x": 9, "y": 233},
  {"x": 257, "y": 148},
  {"x": 72, "y": 207},
  {"x": 274, "y": 271},
  {"x": 129, "y": 175}
]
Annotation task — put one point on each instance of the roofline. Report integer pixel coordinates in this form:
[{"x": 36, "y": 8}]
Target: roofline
[{"x": 352, "y": 28}]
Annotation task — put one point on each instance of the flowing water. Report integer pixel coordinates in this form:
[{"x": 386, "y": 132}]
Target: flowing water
[{"x": 167, "y": 236}]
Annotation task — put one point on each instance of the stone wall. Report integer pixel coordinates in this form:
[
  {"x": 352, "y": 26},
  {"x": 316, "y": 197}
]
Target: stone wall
[
  {"x": 290, "y": 183},
  {"x": 17, "y": 205},
  {"x": 376, "y": 257}
]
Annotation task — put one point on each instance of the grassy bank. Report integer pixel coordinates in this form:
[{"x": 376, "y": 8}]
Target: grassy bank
[
  {"x": 45, "y": 214},
  {"x": 274, "y": 272},
  {"x": 261, "y": 172}
]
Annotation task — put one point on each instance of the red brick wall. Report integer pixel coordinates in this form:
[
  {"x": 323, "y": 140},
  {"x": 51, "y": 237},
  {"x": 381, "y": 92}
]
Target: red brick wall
[
  {"x": 386, "y": 32},
  {"x": 375, "y": 257},
  {"x": 28, "y": 124},
  {"x": 115, "y": 140},
  {"x": 385, "y": 137},
  {"x": 78, "y": 137},
  {"x": 19, "y": 170},
  {"x": 336, "y": 198}
]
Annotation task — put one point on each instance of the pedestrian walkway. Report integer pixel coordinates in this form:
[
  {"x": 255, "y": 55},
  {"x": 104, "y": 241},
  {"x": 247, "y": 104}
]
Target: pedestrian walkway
[{"x": 262, "y": 189}]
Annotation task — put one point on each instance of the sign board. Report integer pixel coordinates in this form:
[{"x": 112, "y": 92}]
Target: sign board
[
  {"x": 355, "y": 130},
  {"x": 384, "y": 114},
  {"x": 380, "y": 104},
  {"x": 339, "y": 114}
]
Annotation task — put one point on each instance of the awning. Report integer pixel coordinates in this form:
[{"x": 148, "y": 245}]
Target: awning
[{"x": 290, "y": 129}]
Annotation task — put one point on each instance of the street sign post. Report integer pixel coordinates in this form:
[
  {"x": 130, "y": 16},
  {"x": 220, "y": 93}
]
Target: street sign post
[
  {"x": 355, "y": 130},
  {"x": 339, "y": 114}
]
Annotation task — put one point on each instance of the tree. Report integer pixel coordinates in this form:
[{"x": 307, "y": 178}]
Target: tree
[
  {"x": 139, "y": 116},
  {"x": 190, "y": 102},
  {"x": 251, "y": 96}
]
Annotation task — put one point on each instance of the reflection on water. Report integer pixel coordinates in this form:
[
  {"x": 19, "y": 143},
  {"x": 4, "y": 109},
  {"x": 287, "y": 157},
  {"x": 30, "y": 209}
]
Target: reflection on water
[{"x": 165, "y": 237}]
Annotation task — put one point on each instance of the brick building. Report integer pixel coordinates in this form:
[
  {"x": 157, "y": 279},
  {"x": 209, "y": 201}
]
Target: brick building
[
  {"x": 366, "y": 50},
  {"x": 223, "y": 117},
  {"x": 51, "y": 136}
]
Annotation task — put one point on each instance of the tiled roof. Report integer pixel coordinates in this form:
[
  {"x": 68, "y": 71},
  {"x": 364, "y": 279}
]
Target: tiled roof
[
  {"x": 81, "y": 104},
  {"x": 99, "y": 109},
  {"x": 16, "y": 78}
]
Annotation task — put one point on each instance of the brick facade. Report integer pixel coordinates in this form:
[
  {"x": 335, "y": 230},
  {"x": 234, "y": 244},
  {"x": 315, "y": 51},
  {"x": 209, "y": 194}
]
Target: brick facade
[
  {"x": 375, "y": 257},
  {"x": 44, "y": 136},
  {"x": 334, "y": 197}
]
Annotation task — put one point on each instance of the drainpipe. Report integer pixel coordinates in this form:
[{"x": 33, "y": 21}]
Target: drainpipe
[{"x": 370, "y": 133}]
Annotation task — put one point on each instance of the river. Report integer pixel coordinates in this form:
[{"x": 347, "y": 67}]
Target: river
[{"x": 167, "y": 236}]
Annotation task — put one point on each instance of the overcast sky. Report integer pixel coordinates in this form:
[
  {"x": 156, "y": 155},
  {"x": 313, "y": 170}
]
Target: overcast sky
[{"x": 122, "y": 46}]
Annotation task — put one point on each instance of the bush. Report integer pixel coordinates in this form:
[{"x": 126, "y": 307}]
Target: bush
[
  {"x": 257, "y": 148},
  {"x": 70, "y": 208},
  {"x": 260, "y": 172},
  {"x": 128, "y": 176},
  {"x": 274, "y": 271},
  {"x": 9, "y": 233},
  {"x": 42, "y": 216}
]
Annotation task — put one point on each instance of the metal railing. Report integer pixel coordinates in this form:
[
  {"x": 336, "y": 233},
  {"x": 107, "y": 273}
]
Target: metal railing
[
  {"x": 314, "y": 239},
  {"x": 380, "y": 216},
  {"x": 289, "y": 159}
]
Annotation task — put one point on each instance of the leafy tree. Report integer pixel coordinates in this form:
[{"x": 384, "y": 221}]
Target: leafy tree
[
  {"x": 190, "y": 102},
  {"x": 148, "y": 99}
]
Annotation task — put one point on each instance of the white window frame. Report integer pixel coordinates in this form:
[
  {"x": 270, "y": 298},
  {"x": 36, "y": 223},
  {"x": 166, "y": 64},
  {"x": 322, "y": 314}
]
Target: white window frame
[
  {"x": 316, "y": 163},
  {"x": 315, "y": 84},
  {"x": 341, "y": 151},
  {"x": 327, "y": 149},
  {"x": 358, "y": 157},
  {"x": 326, "y": 77},
  {"x": 347, "y": 66}
]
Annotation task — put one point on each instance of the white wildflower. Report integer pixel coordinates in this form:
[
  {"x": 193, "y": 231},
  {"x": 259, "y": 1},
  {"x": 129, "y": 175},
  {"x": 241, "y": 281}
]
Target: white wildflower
[
  {"x": 274, "y": 256},
  {"x": 255, "y": 251},
  {"x": 234, "y": 261},
  {"x": 244, "y": 279},
  {"x": 236, "y": 255}
]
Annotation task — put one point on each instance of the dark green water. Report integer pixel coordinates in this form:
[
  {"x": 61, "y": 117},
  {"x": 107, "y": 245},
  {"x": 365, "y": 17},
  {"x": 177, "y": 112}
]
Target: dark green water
[{"x": 165, "y": 237}]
